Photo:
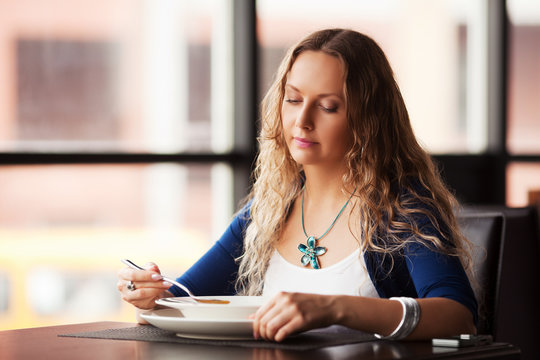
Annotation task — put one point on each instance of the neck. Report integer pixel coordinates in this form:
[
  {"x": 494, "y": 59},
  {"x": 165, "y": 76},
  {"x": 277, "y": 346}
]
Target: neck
[{"x": 324, "y": 187}]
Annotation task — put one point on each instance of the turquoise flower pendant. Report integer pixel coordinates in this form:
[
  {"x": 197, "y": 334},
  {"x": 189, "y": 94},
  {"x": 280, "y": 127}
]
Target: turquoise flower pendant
[{"x": 311, "y": 252}]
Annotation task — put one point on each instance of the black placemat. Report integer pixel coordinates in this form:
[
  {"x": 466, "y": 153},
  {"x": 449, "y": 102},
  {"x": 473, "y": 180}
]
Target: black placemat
[{"x": 305, "y": 341}]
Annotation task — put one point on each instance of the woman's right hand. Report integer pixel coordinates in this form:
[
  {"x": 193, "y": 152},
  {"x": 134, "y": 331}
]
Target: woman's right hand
[{"x": 149, "y": 286}]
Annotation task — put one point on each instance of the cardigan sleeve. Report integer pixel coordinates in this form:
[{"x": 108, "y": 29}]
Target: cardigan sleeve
[
  {"x": 421, "y": 272},
  {"x": 436, "y": 274},
  {"x": 439, "y": 275},
  {"x": 215, "y": 272}
]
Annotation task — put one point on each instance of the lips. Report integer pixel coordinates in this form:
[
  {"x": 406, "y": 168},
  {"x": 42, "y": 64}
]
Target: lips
[{"x": 303, "y": 143}]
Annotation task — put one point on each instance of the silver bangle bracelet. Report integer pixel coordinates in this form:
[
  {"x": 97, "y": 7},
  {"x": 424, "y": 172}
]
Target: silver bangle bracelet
[{"x": 409, "y": 319}]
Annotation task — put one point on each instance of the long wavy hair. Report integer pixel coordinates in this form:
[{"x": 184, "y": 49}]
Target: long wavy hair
[{"x": 395, "y": 179}]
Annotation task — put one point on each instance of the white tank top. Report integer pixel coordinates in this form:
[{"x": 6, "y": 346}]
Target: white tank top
[{"x": 347, "y": 277}]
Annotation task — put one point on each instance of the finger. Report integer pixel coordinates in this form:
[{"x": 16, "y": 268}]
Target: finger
[
  {"x": 267, "y": 306},
  {"x": 283, "y": 319},
  {"x": 147, "y": 304},
  {"x": 161, "y": 285},
  {"x": 289, "y": 328},
  {"x": 142, "y": 295},
  {"x": 158, "y": 286},
  {"x": 272, "y": 322},
  {"x": 130, "y": 274},
  {"x": 255, "y": 326},
  {"x": 269, "y": 311},
  {"x": 263, "y": 310},
  {"x": 120, "y": 285},
  {"x": 152, "y": 267}
]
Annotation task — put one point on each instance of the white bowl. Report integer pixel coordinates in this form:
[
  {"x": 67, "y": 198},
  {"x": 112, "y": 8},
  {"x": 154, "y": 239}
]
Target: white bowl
[
  {"x": 238, "y": 308},
  {"x": 222, "y": 329}
]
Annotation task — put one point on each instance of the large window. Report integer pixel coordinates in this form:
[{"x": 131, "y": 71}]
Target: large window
[
  {"x": 459, "y": 68},
  {"x": 524, "y": 80},
  {"x": 436, "y": 48},
  {"x": 150, "y": 76},
  {"x": 65, "y": 227},
  {"x": 523, "y": 140},
  {"x": 118, "y": 139}
]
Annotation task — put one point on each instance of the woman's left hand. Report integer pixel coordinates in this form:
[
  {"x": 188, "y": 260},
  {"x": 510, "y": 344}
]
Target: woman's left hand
[{"x": 288, "y": 313}]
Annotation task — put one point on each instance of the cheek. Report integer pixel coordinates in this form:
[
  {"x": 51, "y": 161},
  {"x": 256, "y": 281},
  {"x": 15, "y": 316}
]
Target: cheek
[
  {"x": 338, "y": 130},
  {"x": 287, "y": 121},
  {"x": 287, "y": 116},
  {"x": 285, "y": 131},
  {"x": 342, "y": 138}
]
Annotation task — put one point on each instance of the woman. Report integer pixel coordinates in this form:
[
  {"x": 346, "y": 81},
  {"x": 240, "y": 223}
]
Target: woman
[{"x": 348, "y": 221}]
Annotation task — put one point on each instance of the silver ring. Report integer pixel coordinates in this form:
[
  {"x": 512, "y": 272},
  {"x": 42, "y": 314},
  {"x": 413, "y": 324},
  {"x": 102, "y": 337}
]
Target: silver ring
[{"x": 130, "y": 286}]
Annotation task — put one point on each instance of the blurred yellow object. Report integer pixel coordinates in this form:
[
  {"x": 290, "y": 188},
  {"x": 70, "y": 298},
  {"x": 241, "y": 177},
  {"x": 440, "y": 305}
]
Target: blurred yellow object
[{"x": 85, "y": 253}]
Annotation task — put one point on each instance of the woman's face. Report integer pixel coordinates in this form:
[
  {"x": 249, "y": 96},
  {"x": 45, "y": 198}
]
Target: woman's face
[{"x": 314, "y": 112}]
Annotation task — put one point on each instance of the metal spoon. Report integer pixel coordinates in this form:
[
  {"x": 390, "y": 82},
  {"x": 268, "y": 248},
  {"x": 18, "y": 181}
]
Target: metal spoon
[{"x": 132, "y": 265}]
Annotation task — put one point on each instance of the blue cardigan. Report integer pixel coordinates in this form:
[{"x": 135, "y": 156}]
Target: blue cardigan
[{"x": 418, "y": 272}]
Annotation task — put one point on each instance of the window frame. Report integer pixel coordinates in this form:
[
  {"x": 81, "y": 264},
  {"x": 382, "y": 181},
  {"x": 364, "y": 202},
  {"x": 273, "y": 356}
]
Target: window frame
[
  {"x": 241, "y": 156},
  {"x": 482, "y": 178},
  {"x": 483, "y": 181}
]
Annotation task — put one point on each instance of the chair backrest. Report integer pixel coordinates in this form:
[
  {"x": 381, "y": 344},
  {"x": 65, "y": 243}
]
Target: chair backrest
[
  {"x": 485, "y": 230},
  {"x": 518, "y": 318},
  {"x": 512, "y": 287}
]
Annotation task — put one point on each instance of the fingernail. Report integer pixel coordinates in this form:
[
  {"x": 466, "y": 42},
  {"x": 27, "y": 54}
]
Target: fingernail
[
  {"x": 255, "y": 335},
  {"x": 167, "y": 284},
  {"x": 156, "y": 277}
]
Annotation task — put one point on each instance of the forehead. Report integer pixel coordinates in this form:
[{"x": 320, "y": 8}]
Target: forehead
[{"x": 318, "y": 72}]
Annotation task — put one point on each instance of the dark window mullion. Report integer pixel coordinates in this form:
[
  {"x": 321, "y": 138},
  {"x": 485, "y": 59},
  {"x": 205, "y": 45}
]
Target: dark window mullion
[
  {"x": 110, "y": 158},
  {"x": 245, "y": 93}
]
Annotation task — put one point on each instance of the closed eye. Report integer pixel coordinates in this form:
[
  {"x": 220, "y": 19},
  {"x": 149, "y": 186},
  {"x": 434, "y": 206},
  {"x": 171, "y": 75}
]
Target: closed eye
[
  {"x": 329, "y": 109},
  {"x": 293, "y": 101}
]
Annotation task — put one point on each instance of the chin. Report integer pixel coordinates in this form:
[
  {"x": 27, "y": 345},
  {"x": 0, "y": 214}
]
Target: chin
[
  {"x": 304, "y": 162},
  {"x": 301, "y": 159}
]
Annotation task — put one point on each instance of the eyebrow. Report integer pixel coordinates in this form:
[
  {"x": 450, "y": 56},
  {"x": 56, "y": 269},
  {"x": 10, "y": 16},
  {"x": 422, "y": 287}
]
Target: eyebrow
[{"x": 320, "y": 95}]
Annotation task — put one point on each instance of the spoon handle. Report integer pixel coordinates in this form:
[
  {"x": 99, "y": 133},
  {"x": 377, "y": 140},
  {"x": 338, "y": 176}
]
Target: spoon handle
[{"x": 132, "y": 265}]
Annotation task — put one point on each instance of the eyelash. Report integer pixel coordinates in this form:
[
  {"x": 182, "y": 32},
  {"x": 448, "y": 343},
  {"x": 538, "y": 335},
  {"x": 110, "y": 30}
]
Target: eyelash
[
  {"x": 329, "y": 110},
  {"x": 292, "y": 101},
  {"x": 325, "y": 109}
]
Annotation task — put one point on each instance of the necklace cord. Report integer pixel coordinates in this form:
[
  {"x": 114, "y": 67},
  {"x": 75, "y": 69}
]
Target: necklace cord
[{"x": 333, "y": 222}]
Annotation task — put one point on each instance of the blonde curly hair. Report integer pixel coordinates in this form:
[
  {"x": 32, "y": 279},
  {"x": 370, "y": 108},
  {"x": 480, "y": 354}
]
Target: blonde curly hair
[{"x": 394, "y": 178}]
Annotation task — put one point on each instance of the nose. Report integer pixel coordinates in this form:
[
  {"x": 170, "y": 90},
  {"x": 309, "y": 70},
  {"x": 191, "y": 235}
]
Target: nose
[{"x": 303, "y": 117}]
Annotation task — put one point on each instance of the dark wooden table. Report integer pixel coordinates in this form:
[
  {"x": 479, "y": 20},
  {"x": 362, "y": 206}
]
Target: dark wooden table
[{"x": 44, "y": 343}]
